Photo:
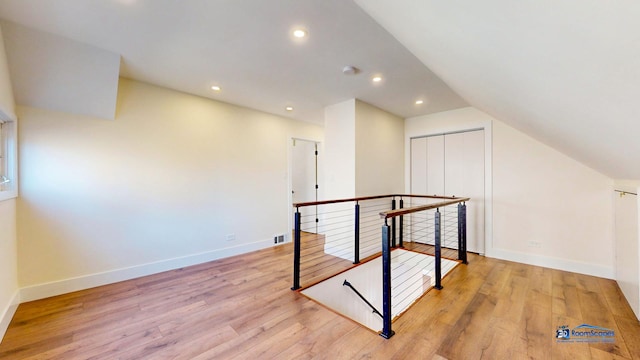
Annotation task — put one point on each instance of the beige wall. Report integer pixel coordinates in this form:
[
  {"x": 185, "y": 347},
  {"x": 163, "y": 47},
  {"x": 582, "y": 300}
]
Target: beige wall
[
  {"x": 160, "y": 187},
  {"x": 379, "y": 151},
  {"x": 8, "y": 263},
  {"x": 364, "y": 151},
  {"x": 536, "y": 195},
  {"x": 340, "y": 150},
  {"x": 8, "y": 253},
  {"x": 543, "y": 196}
]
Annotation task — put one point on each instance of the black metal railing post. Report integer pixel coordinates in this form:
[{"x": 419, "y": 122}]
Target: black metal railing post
[
  {"x": 393, "y": 224},
  {"x": 464, "y": 233},
  {"x": 386, "y": 282},
  {"x": 400, "y": 242},
  {"x": 460, "y": 250},
  {"x": 296, "y": 251},
  {"x": 356, "y": 245},
  {"x": 438, "y": 250}
]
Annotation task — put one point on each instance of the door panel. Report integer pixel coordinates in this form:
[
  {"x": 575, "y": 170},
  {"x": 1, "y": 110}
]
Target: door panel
[
  {"x": 454, "y": 166},
  {"x": 304, "y": 180},
  {"x": 464, "y": 176},
  {"x": 419, "y": 166},
  {"x": 435, "y": 165}
]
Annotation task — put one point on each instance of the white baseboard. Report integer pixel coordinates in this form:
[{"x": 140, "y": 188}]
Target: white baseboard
[
  {"x": 553, "y": 263},
  {"x": 41, "y": 291},
  {"x": 8, "y": 312}
]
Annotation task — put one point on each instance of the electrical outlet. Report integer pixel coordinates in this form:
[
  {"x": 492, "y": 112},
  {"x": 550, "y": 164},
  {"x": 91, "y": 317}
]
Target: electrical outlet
[{"x": 231, "y": 237}]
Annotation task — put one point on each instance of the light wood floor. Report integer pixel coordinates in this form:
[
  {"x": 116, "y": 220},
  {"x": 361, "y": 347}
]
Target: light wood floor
[{"x": 242, "y": 307}]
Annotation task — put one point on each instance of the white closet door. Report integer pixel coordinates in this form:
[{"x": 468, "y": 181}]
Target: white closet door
[
  {"x": 418, "y": 186},
  {"x": 419, "y": 165},
  {"x": 452, "y": 164},
  {"x": 464, "y": 176},
  {"x": 427, "y": 165},
  {"x": 435, "y": 165}
]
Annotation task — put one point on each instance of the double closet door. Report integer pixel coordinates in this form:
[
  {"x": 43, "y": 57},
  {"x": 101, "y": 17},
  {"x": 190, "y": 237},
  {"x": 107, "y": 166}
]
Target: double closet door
[{"x": 453, "y": 165}]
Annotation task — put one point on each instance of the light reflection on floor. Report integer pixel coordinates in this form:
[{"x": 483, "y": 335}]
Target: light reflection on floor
[{"x": 412, "y": 274}]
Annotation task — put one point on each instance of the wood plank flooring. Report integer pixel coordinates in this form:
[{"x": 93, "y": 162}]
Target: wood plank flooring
[{"x": 241, "y": 307}]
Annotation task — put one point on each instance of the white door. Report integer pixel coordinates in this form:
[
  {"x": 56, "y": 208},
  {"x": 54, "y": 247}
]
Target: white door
[
  {"x": 464, "y": 176},
  {"x": 304, "y": 180},
  {"x": 452, "y": 164}
]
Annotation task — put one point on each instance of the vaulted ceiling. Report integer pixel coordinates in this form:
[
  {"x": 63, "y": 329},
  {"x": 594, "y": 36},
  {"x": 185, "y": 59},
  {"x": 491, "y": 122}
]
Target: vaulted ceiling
[
  {"x": 246, "y": 47},
  {"x": 566, "y": 72}
]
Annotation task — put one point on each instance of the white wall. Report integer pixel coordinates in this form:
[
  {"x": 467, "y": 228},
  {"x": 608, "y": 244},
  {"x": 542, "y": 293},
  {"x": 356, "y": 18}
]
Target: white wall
[
  {"x": 379, "y": 151},
  {"x": 627, "y": 241},
  {"x": 9, "y": 296},
  {"x": 364, "y": 151},
  {"x": 340, "y": 150},
  {"x": 158, "y": 188},
  {"x": 537, "y": 196}
]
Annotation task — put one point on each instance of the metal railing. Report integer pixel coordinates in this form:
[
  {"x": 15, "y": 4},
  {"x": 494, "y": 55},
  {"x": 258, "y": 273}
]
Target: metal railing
[{"x": 331, "y": 236}]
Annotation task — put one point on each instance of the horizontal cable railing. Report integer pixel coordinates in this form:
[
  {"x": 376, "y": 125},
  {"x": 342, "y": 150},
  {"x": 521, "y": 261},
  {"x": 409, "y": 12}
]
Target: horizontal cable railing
[
  {"x": 331, "y": 236},
  {"x": 334, "y": 235}
]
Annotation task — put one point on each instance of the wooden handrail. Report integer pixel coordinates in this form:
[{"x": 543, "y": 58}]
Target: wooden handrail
[
  {"x": 398, "y": 212},
  {"x": 363, "y": 198}
]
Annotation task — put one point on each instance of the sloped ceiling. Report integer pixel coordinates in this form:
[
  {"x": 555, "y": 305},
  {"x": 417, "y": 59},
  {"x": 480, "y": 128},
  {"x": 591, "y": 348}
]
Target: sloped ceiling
[
  {"x": 246, "y": 47},
  {"x": 566, "y": 72}
]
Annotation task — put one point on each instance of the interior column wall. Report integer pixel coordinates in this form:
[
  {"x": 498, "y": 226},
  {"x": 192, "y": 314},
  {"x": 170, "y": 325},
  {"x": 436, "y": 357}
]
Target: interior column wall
[
  {"x": 379, "y": 151},
  {"x": 340, "y": 150}
]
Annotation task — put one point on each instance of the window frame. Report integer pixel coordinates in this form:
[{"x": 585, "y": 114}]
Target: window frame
[{"x": 9, "y": 153}]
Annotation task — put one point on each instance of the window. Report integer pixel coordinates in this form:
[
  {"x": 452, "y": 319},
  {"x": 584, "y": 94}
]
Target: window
[{"x": 8, "y": 166}]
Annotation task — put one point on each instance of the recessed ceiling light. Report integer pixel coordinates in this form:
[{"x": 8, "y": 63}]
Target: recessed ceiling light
[
  {"x": 216, "y": 88},
  {"x": 376, "y": 79},
  {"x": 289, "y": 108},
  {"x": 419, "y": 102},
  {"x": 299, "y": 33}
]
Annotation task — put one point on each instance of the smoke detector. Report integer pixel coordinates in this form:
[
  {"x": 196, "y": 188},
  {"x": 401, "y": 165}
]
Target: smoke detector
[{"x": 350, "y": 70}]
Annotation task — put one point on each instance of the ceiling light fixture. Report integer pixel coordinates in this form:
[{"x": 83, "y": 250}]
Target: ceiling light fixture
[
  {"x": 376, "y": 79},
  {"x": 419, "y": 102},
  {"x": 289, "y": 108},
  {"x": 216, "y": 88},
  {"x": 299, "y": 33}
]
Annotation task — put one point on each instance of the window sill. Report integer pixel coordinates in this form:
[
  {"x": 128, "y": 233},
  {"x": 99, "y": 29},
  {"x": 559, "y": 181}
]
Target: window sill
[{"x": 8, "y": 195}]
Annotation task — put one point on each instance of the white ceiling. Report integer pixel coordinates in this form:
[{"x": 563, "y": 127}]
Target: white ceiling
[
  {"x": 567, "y": 72},
  {"x": 564, "y": 71},
  {"x": 246, "y": 47}
]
